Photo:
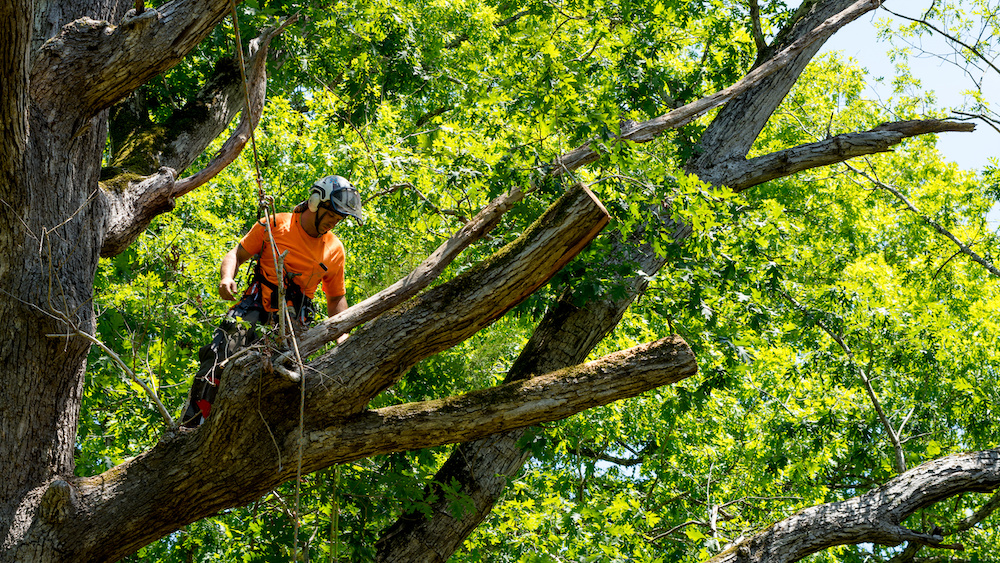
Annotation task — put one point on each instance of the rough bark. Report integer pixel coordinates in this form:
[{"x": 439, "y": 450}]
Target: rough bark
[
  {"x": 113, "y": 514},
  {"x": 564, "y": 337},
  {"x": 739, "y": 174},
  {"x": 53, "y": 127},
  {"x": 48, "y": 264},
  {"x": 876, "y": 516},
  {"x": 94, "y": 62}
]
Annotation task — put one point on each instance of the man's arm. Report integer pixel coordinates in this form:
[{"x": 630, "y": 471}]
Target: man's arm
[
  {"x": 336, "y": 305},
  {"x": 227, "y": 271}
]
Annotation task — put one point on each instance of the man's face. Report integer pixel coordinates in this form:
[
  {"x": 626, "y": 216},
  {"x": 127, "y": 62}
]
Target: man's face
[{"x": 327, "y": 219}]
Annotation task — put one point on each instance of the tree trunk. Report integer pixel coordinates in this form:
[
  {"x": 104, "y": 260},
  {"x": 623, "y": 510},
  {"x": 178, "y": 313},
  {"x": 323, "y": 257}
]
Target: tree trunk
[
  {"x": 52, "y": 233},
  {"x": 53, "y": 129}
]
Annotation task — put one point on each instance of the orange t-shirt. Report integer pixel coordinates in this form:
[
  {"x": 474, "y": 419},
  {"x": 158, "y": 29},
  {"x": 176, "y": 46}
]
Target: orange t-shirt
[{"x": 314, "y": 259}]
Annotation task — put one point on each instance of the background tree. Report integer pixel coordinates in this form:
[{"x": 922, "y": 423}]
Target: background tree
[{"x": 435, "y": 111}]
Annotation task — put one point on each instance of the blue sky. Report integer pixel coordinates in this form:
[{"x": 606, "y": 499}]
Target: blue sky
[{"x": 858, "y": 40}]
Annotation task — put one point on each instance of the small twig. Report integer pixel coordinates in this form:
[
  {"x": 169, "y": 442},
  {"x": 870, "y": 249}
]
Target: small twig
[
  {"x": 934, "y": 224},
  {"x": 677, "y": 528},
  {"x": 149, "y": 391},
  {"x": 986, "y": 119},
  {"x": 930, "y": 26},
  {"x": 586, "y": 55},
  {"x": 984, "y": 512}
]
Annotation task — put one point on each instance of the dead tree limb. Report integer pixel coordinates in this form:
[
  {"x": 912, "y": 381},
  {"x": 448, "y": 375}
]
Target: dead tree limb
[{"x": 875, "y": 516}]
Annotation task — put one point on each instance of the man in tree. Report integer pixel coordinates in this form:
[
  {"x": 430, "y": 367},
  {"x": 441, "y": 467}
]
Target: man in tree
[{"x": 314, "y": 255}]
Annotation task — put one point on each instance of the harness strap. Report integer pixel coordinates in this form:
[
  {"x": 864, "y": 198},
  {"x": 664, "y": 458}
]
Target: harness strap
[{"x": 254, "y": 297}]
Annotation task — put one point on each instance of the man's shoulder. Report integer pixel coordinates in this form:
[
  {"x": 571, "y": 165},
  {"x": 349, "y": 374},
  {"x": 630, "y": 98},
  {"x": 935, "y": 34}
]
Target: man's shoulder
[{"x": 280, "y": 222}]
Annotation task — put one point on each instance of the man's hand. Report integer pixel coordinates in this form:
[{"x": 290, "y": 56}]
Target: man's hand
[
  {"x": 227, "y": 271},
  {"x": 227, "y": 289}
]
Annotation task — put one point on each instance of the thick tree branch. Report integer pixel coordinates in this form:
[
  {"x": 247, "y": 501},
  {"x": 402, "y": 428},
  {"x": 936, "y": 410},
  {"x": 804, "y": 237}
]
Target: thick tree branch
[
  {"x": 745, "y": 174},
  {"x": 452, "y": 312},
  {"x": 133, "y": 205},
  {"x": 415, "y": 281},
  {"x": 514, "y": 405},
  {"x": 97, "y": 502},
  {"x": 246, "y": 462},
  {"x": 876, "y": 516},
  {"x": 92, "y": 64}
]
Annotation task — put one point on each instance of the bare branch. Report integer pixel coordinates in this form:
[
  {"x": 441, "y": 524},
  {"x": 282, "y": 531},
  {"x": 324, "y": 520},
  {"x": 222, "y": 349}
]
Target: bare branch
[
  {"x": 949, "y": 37},
  {"x": 758, "y": 33},
  {"x": 150, "y": 392},
  {"x": 983, "y": 513},
  {"x": 875, "y": 516},
  {"x": 899, "y": 461},
  {"x": 745, "y": 174},
  {"x": 513, "y": 405},
  {"x": 989, "y": 120}
]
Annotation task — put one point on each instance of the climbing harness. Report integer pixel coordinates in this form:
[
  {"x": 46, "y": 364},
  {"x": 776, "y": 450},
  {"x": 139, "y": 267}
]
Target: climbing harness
[{"x": 253, "y": 297}]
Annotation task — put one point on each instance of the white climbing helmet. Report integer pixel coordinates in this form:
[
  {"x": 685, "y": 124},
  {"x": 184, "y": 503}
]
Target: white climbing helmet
[{"x": 337, "y": 194}]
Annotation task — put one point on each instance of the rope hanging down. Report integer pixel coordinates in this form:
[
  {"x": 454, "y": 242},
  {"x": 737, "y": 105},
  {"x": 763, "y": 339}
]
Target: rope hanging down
[{"x": 265, "y": 204}]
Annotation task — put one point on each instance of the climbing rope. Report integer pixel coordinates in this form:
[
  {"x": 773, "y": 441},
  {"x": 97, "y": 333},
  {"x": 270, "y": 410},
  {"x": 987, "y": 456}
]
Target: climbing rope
[{"x": 265, "y": 205}]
